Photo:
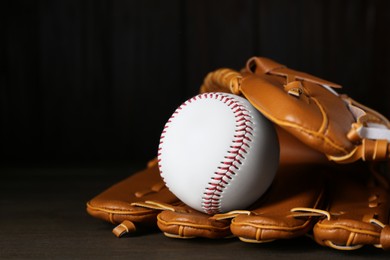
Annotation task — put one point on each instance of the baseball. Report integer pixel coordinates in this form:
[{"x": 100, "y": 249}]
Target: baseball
[{"x": 217, "y": 153}]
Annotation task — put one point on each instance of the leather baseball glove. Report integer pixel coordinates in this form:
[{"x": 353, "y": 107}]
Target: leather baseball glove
[
  {"x": 319, "y": 130},
  {"x": 137, "y": 200},
  {"x": 356, "y": 212}
]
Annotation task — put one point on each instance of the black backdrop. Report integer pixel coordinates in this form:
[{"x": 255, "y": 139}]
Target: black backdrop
[{"x": 95, "y": 80}]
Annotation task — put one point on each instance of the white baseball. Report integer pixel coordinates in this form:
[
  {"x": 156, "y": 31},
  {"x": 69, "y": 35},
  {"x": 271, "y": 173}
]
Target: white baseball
[{"x": 217, "y": 153}]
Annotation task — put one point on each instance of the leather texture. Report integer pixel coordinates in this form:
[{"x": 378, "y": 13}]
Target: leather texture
[
  {"x": 278, "y": 215},
  {"x": 358, "y": 209},
  {"x": 307, "y": 107},
  {"x": 114, "y": 204},
  {"x": 184, "y": 222}
]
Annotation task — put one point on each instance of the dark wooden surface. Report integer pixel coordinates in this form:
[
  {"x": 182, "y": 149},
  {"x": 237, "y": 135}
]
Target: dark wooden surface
[
  {"x": 43, "y": 216},
  {"x": 96, "y": 79}
]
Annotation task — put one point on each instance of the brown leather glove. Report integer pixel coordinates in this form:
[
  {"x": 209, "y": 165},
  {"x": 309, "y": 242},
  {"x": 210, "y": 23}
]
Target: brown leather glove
[
  {"x": 358, "y": 199},
  {"x": 358, "y": 209},
  {"x": 309, "y": 108},
  {"x": 114, "y": 204},
  {"x": 278, "y": 214},
  {"x": 332, "y": 127}
]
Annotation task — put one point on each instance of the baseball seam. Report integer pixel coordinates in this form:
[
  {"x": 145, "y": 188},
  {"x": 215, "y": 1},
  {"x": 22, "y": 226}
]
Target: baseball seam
[{"x": 234, "y": 157}]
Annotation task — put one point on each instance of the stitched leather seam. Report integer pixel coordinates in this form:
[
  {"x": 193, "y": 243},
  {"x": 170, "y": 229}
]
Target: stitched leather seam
[
  {"x": 200, "y": 226},
  {"x": 211, "y": 203},
  {"x": 350, "y": 229},
  {"x": 272, "y": 227},
  {"x": 121, "y": 212},
  {"x": 325, "y": 121}
]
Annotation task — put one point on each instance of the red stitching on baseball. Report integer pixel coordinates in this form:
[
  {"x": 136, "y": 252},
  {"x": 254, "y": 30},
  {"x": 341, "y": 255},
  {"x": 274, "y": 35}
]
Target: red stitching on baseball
[{"x": 211, "y": 203}]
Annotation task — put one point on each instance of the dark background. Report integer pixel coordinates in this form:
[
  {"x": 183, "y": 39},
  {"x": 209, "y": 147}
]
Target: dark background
[
  {"x": 93, "y": 81},
  {"x": 87, "y": 85}
]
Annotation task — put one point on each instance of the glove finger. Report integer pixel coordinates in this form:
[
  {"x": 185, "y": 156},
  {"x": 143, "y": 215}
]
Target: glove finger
[
  {"x": 189, "y": 223},
  {"x": 278, "y": 215},
  {"x": 358, "y": 211},
  {"x": 114, "y": 205}
]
